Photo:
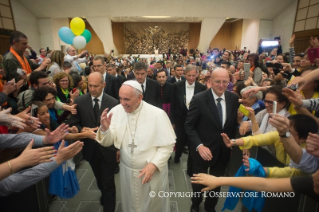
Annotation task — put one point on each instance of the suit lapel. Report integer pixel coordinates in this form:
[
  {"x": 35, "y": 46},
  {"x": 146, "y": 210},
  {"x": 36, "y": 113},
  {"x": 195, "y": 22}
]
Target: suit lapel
[
  {"x": 182, "y": 94},
  {"x": 107, "y": 81},
  {"x": 90, "y": 106},
  {"x": 196, "y": 89},
  {"x": 148, "y": 90},
  {"x": 213, "y": 108},
  {"x": 228, "y": 109}
]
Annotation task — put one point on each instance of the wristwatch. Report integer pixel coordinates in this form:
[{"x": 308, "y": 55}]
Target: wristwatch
[
  {"x": 233, "y": 140},
  {"x": 285, "y": 135}
]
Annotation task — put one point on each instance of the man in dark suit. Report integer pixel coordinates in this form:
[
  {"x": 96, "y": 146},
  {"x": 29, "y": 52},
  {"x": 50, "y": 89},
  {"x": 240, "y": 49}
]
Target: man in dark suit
[
  {"x": 159, "y": 66},
  {"x": 165, "y": 91},
  {"x": 103, "y": 160},
  {"x": 112, "y": 86},
  {"x": 178, "y": 75},
  {"x": 151, "y": 89},
  {"x": 211, "y": 113},
  {"x": 182, "y": 93},
  {"x": 111, "y": 69},
  {"x": 131, "y": 76}
]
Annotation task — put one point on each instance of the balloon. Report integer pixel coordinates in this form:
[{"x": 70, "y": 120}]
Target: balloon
[
  {"x": 66, "y": 35},
  {"x": 79, "y": 42},
  {"x": 77, "y": 26},
  {"x": 87, "y": 35}
]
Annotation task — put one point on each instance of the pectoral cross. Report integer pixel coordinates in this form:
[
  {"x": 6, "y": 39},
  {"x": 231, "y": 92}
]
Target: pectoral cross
[{"x": 132, "y": 146}]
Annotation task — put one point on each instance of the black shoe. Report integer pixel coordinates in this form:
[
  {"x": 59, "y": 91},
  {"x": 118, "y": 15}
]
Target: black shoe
[
  {"x": 117, "y": 169},
  {"x": 194, "y": 208},
  {"x": 176, "y": 160},
  {"x": 101, "y": 200}
]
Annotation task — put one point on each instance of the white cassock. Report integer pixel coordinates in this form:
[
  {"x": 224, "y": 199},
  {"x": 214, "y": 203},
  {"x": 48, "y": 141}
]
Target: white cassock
[{"x": 154, "y": 139}]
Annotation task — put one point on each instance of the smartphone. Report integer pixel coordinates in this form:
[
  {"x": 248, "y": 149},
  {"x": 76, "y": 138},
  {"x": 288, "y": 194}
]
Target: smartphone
[
  {"x": 293, "y": 87},
  {"x": 34, "y": 110},
  {"x": 274, "y": 107},
  {"x": 313, "y": 54},
  {"x": 277, "y": 38},
  {"x": 243, "y": 110},
  {"x": 269, "y": 43},
  {"x": 73, "y": 90},
  {"x": 246, "y": 70}
]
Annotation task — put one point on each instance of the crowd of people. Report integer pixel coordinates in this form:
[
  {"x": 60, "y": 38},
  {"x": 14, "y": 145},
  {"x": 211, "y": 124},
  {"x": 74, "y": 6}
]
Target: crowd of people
[{"x": 136, "y": 112}]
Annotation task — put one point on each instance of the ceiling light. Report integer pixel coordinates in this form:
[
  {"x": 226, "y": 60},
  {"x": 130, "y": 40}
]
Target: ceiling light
[{"x": 156, "y": 16}]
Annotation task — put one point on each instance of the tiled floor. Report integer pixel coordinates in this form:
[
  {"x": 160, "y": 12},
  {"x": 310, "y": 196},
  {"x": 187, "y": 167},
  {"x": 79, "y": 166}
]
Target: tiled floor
[{"x": 87, "y": 200}]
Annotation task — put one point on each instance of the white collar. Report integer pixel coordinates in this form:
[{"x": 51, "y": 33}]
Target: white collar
[
  {"x": 216, "y": 96},
  {"x": 187, "y": 84},
  {"x": 99, "y": 98}
]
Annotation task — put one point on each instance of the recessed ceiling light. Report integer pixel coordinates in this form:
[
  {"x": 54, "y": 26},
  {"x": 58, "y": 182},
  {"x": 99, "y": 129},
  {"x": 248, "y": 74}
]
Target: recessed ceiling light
[{"x": 156, "y": 16}]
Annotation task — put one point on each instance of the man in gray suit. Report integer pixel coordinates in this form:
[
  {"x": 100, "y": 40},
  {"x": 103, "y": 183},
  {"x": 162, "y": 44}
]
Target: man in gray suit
[{"x": 103, "y": 160}]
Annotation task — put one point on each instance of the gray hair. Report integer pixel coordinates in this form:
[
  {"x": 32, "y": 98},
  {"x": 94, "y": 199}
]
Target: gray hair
[
  {"x": 190, "y": 68},
  {"x": 258, "y": 95},
  {"x": 68, "y": 48}
]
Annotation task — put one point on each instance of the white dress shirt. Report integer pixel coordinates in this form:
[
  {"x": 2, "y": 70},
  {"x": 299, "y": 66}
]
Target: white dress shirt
[
  {"x": 144, "y": 84},
  {"x": 189, "y": 90},
  {"x": 99, "y": 98},
  {"x": 177, "y": 80}
]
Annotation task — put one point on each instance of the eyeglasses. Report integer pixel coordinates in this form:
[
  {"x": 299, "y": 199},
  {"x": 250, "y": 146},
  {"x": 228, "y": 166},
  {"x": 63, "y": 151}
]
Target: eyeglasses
[
  {"x": 64, "y": 81},
  {"x": 268, "y": 102}
]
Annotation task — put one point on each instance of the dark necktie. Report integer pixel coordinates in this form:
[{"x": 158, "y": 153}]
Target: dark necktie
[
  {"x": 96, "y": 108},
  {"x": 143, "y": 89},
  {"x": 220, "y": 110}
]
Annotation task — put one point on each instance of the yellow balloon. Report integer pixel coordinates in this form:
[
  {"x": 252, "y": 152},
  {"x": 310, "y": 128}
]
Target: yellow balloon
[{"x": 77, "y": 26}]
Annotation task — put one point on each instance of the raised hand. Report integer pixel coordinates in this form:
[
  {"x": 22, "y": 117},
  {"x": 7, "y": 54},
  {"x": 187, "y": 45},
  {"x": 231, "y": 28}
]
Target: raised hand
[
  {"x": 226, "y": 140},
  {"x": 292, "y": 96},
  {"x": 66, "y": 153},
  {"x": 244, "y": 127},
  {"x": 31, "y": 121},
  {"x": 57, "y": 135},
  {"x": 105, "y": 120},
  {"x": 32, "y": 157},
  {"x": 15, "y": 121},
  {"x": 312, "y": 144}
]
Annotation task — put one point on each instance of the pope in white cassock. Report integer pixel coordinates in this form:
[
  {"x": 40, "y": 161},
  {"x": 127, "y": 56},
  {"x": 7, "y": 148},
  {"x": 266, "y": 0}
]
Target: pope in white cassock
[{"x": 145, "y": 137}]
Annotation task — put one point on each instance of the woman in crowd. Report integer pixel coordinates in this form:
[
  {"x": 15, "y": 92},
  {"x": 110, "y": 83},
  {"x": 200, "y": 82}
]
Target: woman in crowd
[
  {"x": 253, "y": 60},
  {"x": 57, "y": 60},
  {"x": 77, "y": 82},
  {"x": 64, "y": 83}
]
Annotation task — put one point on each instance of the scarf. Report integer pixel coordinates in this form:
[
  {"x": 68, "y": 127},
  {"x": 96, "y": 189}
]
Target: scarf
[
  {"x": 252, "y": 69},
  {"x": 257, "y": 203},
  {"x": 24, "y": 63}
]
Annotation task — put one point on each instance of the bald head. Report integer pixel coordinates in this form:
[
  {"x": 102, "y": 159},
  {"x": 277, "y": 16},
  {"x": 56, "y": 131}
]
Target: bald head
[
  {"x": 220, "y": 81},
  {"x": 96, "y": 84}
]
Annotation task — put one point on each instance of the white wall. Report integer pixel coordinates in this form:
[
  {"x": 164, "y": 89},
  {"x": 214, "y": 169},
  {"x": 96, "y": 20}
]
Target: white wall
[
  {"x": 57, "y": 23},
  {"x": 209, "y": 28},
  {"x": 283, "y": 25},
  {"x": 46, "y": 33},
  {"x": 265, "y": 30},
  {"x": 27, "y": 23},
  {"x": 250, "y": 31},
  {"x": 103, "y": 28}
]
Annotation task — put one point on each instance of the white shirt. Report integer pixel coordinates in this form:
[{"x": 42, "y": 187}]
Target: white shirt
[
  {"x": 74, "y": 61},
  {"x": 169, "y": 71},
  {"x": 177, "y": 80},
  {"x": 189, "y": 90},
  {"x": 144, "y": 84},
  {"x": 223, "y": 103},
  {"x": 99, "y": 98},
  {"x": 104, "y": 75}
]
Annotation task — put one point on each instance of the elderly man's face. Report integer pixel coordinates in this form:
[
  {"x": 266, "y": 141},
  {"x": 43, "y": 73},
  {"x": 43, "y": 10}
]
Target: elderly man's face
[
  {"x": 248, "y": 101},
  {"x": 220, "y": 80},
  {"x": 71, "y": 51},
  {"x": 128, "y": 98},
  {"x": 191, "y": 76}
]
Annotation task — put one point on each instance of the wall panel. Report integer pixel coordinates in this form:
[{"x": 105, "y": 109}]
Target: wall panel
[{"x": 95, "y": 46}]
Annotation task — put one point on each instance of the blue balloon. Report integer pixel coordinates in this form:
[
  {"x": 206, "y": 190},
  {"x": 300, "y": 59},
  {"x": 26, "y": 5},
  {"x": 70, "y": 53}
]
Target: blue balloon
[{"x": 66, "y": 35}]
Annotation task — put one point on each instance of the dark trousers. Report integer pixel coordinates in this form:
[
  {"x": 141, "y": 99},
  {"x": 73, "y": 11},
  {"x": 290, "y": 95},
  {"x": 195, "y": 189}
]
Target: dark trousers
[
  {"x": 104, "y": 174},
  {"x": 181, "y": 142},
  {"x": 218, "y": 169}
]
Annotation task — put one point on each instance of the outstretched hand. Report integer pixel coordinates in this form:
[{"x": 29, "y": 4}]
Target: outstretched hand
[
  {"x": 208, "y": 180},
  {"x": 56, "y": 135}
]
